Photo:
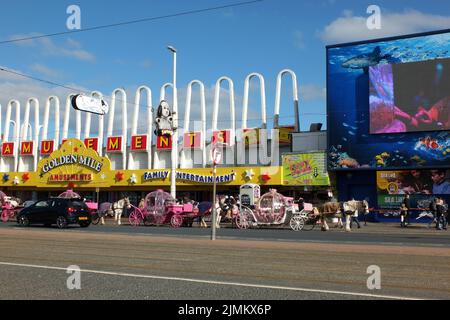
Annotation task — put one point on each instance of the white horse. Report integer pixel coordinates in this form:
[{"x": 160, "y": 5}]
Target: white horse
[
  {"x": 353, "y": 207},
  {"x": 118, "y": 208}
]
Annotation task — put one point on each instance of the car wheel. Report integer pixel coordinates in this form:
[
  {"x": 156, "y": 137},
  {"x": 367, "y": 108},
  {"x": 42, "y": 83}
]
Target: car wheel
[
  {"x": 23, "y": 221},
  {"x": 61, "y": 222}
]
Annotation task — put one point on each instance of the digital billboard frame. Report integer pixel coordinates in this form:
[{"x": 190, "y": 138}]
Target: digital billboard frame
[{"x": 328, "y": 99}]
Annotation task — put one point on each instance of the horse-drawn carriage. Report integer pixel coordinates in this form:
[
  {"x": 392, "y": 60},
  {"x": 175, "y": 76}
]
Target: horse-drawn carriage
[
  {"x": 272, "y": 209},
  {"x": 9, "y": 206},
  {"x": 161, "y": 208}
]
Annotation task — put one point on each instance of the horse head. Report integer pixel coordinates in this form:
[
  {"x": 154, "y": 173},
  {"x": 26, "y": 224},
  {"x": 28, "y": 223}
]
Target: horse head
[{"x": 126, "y": 202}]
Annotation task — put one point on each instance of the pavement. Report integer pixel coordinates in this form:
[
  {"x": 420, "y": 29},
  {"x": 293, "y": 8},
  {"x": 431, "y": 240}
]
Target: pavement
[{"x": 160, "y": 263}]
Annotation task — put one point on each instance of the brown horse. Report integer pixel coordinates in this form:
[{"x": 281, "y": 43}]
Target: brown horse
[{"x": 330, "y": 210}]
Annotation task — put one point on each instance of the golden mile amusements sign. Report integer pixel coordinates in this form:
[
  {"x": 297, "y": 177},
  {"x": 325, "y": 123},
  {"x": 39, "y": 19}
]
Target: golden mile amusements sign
[{"x": 73, "y": 162}]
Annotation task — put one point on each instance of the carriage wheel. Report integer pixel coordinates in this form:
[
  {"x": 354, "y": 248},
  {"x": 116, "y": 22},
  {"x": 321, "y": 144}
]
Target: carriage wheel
[
  {"x": 5, "y": 216},
  {"x": 176, "y": 221},
  {"x": 297, "y": 222},
  {"x": 135, "y": 218},
  {"x": 95, "y": 218},
  {"x": 243, "y": 219}
]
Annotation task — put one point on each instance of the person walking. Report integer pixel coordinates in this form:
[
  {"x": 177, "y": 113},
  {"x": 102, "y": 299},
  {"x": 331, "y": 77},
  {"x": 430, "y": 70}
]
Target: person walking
[
  {"x": 405, "y": 211},
  {"x": 355, "y": 219}
]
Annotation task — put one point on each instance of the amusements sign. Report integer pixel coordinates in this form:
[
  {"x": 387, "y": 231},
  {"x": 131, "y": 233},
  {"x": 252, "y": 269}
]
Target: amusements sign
[
  {"x": 305, "y": 169},
  {"x": 73, "y": 162}
]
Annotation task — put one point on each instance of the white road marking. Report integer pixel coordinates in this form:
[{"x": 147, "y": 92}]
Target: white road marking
[{"x": 224, "y": 283}]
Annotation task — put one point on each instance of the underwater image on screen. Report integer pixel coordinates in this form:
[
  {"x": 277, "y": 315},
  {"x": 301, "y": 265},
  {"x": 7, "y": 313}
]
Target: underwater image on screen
[{"x": 409, "y": 97}]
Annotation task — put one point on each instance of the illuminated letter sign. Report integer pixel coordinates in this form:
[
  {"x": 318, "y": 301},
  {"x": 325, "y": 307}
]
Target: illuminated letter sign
[
  {"x": 192, "y": 140},
  {"x": 163, "y": 142},
  {"x": 8, "y": 149},
  {"x": 284, "y": 134},
  {"x": 91, "y": 143},
  {"x": 114, "y": 144},
  {"x": 250, "y": 136},
  {"x": 26, "y": 148},
  {"x": 47, "y": 147},
  {"x": 222, "y": 137},
  {"x": 139, "y": 143}
]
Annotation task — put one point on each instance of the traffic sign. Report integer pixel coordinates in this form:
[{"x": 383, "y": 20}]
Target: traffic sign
[{"x": 90, "y": 104}]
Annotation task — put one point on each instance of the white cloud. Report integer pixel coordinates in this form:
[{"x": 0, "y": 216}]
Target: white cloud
[
  {"x": 312, "y": 93},
  {"x": 349, "y": 28},
  {"x": 70, "y": 48},
  {"x": 46, "y": 71}
]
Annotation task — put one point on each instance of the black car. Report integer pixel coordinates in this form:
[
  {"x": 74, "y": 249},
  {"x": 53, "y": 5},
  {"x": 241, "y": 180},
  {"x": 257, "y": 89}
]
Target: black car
[{"x": 59, "y": 211}]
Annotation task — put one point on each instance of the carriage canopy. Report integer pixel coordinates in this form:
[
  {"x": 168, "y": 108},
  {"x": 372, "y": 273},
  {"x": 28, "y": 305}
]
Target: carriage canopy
[
  {"x": 69, "y": 194},
  {"x": 157, "y": 200}
]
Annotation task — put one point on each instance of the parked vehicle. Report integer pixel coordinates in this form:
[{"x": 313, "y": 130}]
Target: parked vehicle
[{"x": 59, "y": 211}]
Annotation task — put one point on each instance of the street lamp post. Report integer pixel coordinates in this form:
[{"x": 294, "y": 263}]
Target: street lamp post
[{"x": 173, "y": 187}]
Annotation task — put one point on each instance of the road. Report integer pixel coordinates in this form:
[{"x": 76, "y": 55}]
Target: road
[{"x": 121, "y": 262}]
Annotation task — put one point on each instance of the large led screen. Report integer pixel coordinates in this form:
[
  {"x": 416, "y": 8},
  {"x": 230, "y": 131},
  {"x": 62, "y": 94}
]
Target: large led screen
[
  {"x": 408, "y": 126},
  {"x": 408, "y": 97}
]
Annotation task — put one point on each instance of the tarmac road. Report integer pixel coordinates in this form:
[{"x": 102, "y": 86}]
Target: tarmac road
[{"x": 145, "y": 263}]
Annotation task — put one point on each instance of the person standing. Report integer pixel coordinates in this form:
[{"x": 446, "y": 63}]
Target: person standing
[{"x": 405, "y": 211}]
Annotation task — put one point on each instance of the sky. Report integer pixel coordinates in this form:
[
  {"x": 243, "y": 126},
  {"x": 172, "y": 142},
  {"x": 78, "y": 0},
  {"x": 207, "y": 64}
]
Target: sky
[{"x": 264, "y": 37}]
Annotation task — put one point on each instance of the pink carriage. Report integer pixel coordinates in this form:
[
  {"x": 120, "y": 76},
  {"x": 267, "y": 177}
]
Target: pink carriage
[
  {"x": 272, "y": 209},
  {"x": 9, "y": 207},
  {"x": 161, "y": 208}
]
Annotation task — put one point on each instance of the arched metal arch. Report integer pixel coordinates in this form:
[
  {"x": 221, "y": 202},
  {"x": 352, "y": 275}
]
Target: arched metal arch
[
  {"x": 278, "y": 98},
  {"x": 262, "y": 88}
]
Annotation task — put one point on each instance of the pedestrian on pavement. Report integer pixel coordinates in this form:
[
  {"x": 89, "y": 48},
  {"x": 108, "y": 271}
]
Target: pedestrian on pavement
[
  {"x": 405, "y": 211},
  {"x": 355, "y": 216},
  {"x": 441, "y": 217}
]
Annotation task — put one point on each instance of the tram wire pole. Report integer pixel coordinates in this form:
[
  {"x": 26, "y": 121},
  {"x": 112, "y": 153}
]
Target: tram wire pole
[
  {"x": 174, "y": 154},
  {"x": 214, "y": 213},
  {"x": 216, "y": 157}
]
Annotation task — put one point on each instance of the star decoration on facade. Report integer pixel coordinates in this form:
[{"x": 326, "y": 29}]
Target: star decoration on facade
[
  {"x": 71, "y": 185},
  {"x": 75, "y": 149},
  {"x": 133, "y": 179},
  {"x": 119, "y": 176},
  {"x": 249, "y": 174},
  {"x": 26, "y": 177},
  {"x": 16, "y": 180},
  {"x": 103, "y": 176},
  {"x": 265, "y": 177},
  {"x": 5, "y": 177}
]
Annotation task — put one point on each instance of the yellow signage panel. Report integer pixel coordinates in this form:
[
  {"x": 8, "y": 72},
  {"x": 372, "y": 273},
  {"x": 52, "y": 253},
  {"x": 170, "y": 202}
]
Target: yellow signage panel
[{"x": 305, "y": 169}]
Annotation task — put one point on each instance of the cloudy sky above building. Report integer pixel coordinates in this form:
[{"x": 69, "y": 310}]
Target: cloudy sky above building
[{"x": 263, "y": 37}]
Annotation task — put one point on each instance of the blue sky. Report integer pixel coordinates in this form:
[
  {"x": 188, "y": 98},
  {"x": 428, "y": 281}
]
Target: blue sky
[{"x": 264, "y": 37}]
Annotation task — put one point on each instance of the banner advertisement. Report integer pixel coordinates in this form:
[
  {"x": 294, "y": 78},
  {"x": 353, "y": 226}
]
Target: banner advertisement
[
  {"x": 307, "y": 169},
  {"x": 422, "y": 185}
]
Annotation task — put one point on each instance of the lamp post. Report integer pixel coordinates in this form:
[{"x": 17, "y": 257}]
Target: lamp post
[{"x": 173, "y": 186}]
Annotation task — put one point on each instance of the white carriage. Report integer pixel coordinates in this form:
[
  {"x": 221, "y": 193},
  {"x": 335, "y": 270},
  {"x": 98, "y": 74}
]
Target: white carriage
[{"x": 271, "y": 209}]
